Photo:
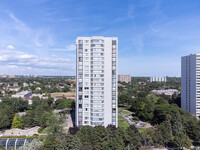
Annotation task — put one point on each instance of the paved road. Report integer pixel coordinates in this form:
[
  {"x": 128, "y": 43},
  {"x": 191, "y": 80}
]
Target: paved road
[
  {"x": 68, "y": 123},
  {"x": 20, "y": 132},
  {"x": 139, "y": 124}
]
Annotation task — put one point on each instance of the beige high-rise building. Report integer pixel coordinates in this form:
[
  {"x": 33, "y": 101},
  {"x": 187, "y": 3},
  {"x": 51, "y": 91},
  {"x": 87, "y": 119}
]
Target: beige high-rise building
[{"x": 124, "y": 78}]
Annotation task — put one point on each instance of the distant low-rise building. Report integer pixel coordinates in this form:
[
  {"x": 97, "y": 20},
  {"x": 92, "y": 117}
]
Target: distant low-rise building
[
  {"x": 124, "y": 78},
  {"x": 15, "y": 89},
  {"x": 47, "y": 86},
  {"x": 23, "y": 94},
  {"x": 15, "y": 84},
  {"x": 168, "y": 92},
  {"x": 3, "y": 91},
  {"x": 11, "y": 76},
  {"x": 3, "y": 76},
  {"x": 60, "y": 86},
  {"x": 158, "y": 79},
  {"x": 25, "y": 85},
  {"x": 38, "y": 95},
  {"x": 36, "y": 82},
  {"x": 38, "y": 88}
]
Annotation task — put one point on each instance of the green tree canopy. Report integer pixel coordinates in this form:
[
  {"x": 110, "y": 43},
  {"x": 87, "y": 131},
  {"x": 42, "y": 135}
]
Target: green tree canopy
[{"x": 17, "y": 122}]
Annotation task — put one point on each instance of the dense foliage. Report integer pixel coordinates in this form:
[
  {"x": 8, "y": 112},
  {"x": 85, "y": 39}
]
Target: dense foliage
[
  {"x": 95, "y": 138},
  {"x": 36, "y": 115},
  {"x": 171, "y": 126}
]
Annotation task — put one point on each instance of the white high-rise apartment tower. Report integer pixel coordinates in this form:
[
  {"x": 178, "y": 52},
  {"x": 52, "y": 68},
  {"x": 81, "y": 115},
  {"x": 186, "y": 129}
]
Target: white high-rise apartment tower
[
  {"x": 96, "y": 77},
  {"x": 190, "y": 83}
]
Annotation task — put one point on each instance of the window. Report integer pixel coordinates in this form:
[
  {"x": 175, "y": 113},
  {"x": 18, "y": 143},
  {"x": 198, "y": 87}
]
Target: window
[
  {"x": 97, "y": 45},
  {"x": 86, "y": 105},
  {"x": 86, "y": 96},
  {"x": 86, "y": 50},
  {"x": 86, "y": 92},
  {"x": 86, "y": 113},
  {"x": 97, "y": 49},
  {"x": 80, "y": 50},
  {"x": 86, "y": 88},
  {"x": 80, "y": 46},
  {"x": 80, "y": 59},
  {"x": 86, "y": 75},
  {"x": 97, "y": 41},
  {"x": 114, "y": 42}
]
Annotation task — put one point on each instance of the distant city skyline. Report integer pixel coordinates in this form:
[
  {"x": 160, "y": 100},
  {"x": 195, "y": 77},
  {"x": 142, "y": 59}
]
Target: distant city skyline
[{"x": 37, "y": 37}]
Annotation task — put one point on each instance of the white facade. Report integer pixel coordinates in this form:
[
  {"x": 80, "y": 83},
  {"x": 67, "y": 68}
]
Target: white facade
[
  {"x": 96, "y": 81},
  {"x": 158, "y": 79},
  {"x": 22, "y": 94},
  {"x": 165, "y": 92},
  {"x": 124, "y": 78},
  {"x": 190, "y": 83}
]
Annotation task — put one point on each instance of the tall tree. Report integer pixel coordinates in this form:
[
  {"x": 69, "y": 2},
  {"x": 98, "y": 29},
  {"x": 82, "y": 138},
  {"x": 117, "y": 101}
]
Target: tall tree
[
  {"x": 69, "y": 142},
  {"x": 55, "y": 124},
  {"x": 132, "y": 138},
  {"x": 17, "y": 122}
]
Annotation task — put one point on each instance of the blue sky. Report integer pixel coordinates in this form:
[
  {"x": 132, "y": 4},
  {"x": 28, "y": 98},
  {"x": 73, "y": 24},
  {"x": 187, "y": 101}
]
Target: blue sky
[{"x": 38, "y": 36}]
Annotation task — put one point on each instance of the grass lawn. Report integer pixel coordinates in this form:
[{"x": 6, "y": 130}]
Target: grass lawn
[
  {"x": 62, "y": 94},
  {"x": 120, "y": 108},
  {"x": 122, "y": 122},
  {"x": 127, "y": 112},
  {"x": 141, "y": 129}
]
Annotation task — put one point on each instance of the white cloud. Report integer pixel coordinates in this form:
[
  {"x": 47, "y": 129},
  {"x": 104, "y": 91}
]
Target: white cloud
[
  {"x": 71, "y": 48},
  {"x": 10, "y": 47},
  {"x": 10, "y": 55},
  {"x": 37, "y": 40},
  {"x": 130, "y": 13},
  {"x": 12, "y": 66},
  {"x": 35, "y": 55},
  {"x": 26, "y": 56},
  {"x": 17, "y": 20},
  {"x": 18, "y": 60}
]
